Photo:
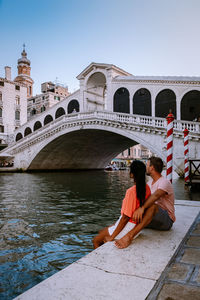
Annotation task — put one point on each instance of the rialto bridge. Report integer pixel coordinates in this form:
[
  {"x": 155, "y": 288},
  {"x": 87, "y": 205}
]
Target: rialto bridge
[{"x": 112, "y": 111}]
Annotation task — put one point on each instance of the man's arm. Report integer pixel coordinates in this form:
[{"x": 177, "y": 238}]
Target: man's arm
[{"x": 137, "y": 216}]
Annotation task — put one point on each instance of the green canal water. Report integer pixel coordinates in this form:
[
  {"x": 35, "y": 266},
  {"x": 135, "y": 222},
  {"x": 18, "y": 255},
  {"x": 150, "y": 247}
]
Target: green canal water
[{"x": 48, "y": 220}]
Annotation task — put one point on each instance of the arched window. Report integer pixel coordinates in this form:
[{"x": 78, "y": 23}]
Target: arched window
[
  {"x": 142, "y": 102},
  {"x": 48, "y": 119},
  {"x": 121, "y": 101},
  {"x": 73, "y": 106},
  {"x": 17, "y": 100},
  {"x": 60, "y": 111},
  {"x": 190, "y": 106},
  {"x": 33, "y": 112},
  {"x": 43, "y": 108},
  {"x": 0, "y": 112},
  {"x": 165, "y": 101},
  {"x": 27, "y": 131},
  {"x": 37, "y": 125},
  {"x": 17, "y": 115},
  {"x": 18, "y": 136}
]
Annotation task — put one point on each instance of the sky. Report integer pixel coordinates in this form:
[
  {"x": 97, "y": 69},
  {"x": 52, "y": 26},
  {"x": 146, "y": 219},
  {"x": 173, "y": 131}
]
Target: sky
[{"x": 62, "y": 37}]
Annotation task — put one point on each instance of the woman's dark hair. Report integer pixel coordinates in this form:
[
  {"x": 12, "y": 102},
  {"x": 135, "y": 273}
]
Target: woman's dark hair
[{"x": 138, "y": 169}]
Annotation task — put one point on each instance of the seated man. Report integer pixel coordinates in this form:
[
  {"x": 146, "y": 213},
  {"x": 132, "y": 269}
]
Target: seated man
[{"x": 158, "y": 211}]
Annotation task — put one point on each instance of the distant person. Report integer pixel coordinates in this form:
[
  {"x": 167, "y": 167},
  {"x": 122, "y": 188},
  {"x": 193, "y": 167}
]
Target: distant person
[
  {"x": 158, "y": 211},
  {"x": 134, "y": 198}
]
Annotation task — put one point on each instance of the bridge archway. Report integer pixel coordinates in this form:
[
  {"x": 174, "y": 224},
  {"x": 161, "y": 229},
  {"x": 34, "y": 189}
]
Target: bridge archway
[
  {"x": 48, "y": 119},
  {"x": 121, "y": 101},
  {"x": 37, "y": 125},
  {"x": 88, "y": 148},
  {"x": 73, "y": 106},
  {"x": 59, "y": 112},
  {"x": 27, "y": 131},
  {"x": 96, "y": 83},
  {"x": 165, "y": 101},
  {"x": 19, "y": 136},
  {"x": 190, "y": 106},
  {"x": 142, "y": 102}
]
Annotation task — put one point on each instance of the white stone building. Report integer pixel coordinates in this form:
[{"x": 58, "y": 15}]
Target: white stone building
[
  {"x": 136, "y": 152},
  {"x": 13, "y": 105}
]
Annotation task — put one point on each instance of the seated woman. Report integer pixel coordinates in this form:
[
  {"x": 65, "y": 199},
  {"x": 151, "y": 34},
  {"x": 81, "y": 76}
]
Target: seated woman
[{"x": 134, "y": 198}]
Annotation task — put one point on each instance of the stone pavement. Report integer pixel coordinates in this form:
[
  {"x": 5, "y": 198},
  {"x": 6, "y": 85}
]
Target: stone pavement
[{"x": 181, "y": 278}]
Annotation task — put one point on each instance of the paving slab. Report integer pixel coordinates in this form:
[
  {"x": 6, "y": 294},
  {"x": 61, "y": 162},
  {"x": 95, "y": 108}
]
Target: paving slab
[
  {"x": 193, "y": 241},
  {"x": 174, "y": 291},
  {"x": 112, "y": 273},
  {"x": 178, "y": 272},
  {"x": 191, "y": 256}
]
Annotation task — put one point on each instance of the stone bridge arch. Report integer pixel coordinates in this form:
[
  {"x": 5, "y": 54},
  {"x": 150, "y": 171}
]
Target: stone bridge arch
[{"x": 91, "y": 147}]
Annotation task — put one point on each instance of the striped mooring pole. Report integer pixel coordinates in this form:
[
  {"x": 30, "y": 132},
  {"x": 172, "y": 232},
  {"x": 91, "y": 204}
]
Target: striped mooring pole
[
  {"x": 170, "y": 119},
  {"x": 186, "y": 154}
]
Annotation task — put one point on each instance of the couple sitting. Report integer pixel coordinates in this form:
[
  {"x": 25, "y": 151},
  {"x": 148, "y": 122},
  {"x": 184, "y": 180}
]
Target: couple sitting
[{"x": 144, "y": 206}]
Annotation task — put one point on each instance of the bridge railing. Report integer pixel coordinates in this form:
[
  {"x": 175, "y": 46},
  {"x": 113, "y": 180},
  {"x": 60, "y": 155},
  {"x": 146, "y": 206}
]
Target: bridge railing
[
  {"x": 179, "y": 125},
  {"x": 149, "y": 121}
]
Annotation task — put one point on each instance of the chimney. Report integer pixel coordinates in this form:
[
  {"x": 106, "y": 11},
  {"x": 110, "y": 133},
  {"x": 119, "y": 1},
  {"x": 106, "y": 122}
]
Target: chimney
[{"x": 8, "y": 73}]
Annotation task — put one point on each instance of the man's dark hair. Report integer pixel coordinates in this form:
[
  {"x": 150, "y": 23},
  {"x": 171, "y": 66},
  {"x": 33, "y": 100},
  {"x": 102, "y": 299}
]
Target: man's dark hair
[{"x": 157, "y": 163}]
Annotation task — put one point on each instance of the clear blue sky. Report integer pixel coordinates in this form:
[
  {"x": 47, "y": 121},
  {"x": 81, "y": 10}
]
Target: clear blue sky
[{"x": 62, "y": 37}]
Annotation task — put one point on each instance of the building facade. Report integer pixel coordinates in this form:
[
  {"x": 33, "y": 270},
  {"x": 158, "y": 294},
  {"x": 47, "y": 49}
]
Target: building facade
[
  {"x": 51, "y": 95},
  {"x": 136, "y": 152},
  {"x": 13, "y": 105}
]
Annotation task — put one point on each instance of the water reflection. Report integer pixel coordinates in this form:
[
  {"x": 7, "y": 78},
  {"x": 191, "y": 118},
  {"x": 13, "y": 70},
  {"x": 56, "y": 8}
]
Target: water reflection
[{"x": 48, "y": 220}]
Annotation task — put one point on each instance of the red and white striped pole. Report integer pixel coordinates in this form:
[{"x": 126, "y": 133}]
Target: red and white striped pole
[
  {"x": 186, "y": 154},
  {"x": 170, "y": 119}
]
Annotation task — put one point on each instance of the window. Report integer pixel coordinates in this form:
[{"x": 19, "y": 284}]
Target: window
[
  {"x": 0, "y": 112},
  {"x": 33, "y": 112},
  {"x": 17, "y": 87},
  {"x": 1, "y": 128},
  {"x": 43, "y": 108},
  {"x": 17, "y": 115},
  {"x": 0, "y": 96},
  {"x": 17, "y": 100},
  {"x": 1, "y": 83}
]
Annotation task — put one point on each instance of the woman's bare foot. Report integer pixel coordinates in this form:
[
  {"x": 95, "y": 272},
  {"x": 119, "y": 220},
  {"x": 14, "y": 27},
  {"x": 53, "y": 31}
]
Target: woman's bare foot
[{"x": 124, "y": 242}]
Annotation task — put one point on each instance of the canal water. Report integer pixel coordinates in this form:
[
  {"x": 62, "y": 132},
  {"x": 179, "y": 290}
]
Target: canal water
[{"x": 48, "y": 220}]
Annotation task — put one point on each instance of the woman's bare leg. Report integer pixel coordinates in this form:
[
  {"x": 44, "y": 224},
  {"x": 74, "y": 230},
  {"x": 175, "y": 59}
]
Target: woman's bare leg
[{"x": 99, "y": 239}]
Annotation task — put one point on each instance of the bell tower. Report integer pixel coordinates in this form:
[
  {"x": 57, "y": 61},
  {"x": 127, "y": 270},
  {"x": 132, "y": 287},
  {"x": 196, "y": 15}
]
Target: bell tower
[{"x": 24, "y": 72}]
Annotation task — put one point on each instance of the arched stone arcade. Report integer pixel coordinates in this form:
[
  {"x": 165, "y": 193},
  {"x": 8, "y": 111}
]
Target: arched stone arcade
[
  {"x": 73, "y": 106},
  {"x": 190, "y": 106},
  {"x": 19, "y": 136},
  {"x": 27, "y": 131},
  {"x": 59, "y": 112},
  {"x": 142, "y": 102},
  {"x": 121, "y": 101},
  {"x": 96, "y": 91},
  {"x": 48, "y": 119},
  {"x": 165, "y": 101},
  {"x": 37, "y": 125}
]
